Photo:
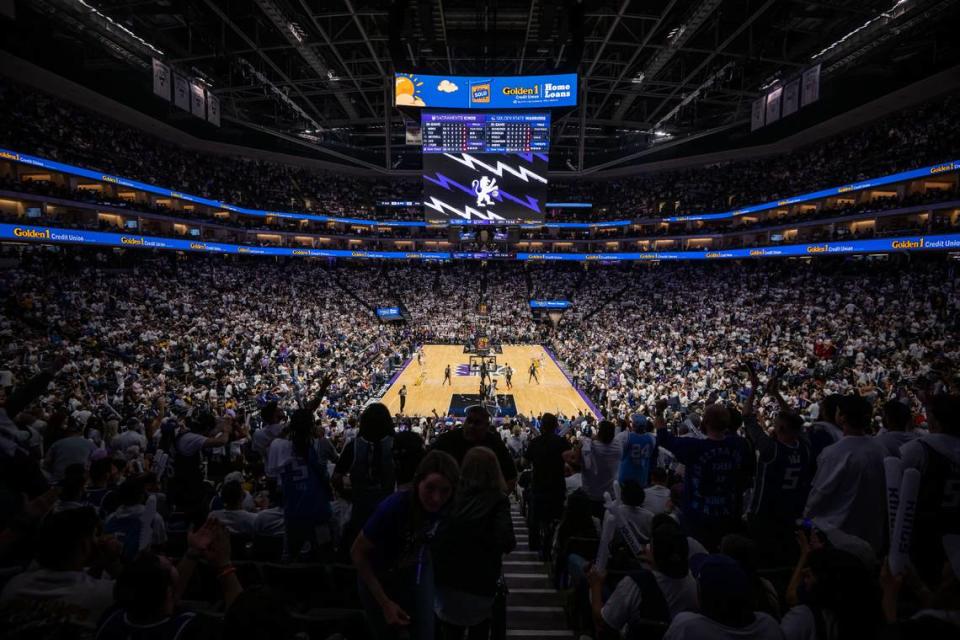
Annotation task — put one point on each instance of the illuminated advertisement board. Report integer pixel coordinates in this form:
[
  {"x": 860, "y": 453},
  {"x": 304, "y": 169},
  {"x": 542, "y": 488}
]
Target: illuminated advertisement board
[
  {"x": 549, "y": 304},
  {"x": 53, "y": 235},
  {"x": 485, "y": 92}
]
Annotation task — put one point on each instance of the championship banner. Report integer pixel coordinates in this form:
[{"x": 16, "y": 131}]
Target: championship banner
[
  {"x": 791, "y": 98},
  {"x": 414, "y": 134},
  {"x": 757, "y": 113},
  {"x": 213, "y": 109},
  {"x": 198, "y": 103},
  {"x": 181, "y": 92},
  {"x": 811, "y": 86},
  {"x": 773, "y": 105},
  {"x": 161, "y": 79}
]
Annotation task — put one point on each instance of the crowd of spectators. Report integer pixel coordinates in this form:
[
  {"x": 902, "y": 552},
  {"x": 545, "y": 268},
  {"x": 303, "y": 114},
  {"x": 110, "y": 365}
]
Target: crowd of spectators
[
  {"x": 43, "y": 125},
  {"x": 193, "y": 446},
  {"x": 907, "y": 139},
  {"x": 216, "y": 411}
]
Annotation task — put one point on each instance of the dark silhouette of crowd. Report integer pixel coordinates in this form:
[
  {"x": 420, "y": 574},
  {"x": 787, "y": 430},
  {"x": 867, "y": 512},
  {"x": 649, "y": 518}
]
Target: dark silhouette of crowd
[{"x": 192, "y": 445}]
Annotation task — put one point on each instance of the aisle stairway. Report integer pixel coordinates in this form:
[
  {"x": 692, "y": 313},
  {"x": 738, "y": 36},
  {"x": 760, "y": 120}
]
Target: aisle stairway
[{"x": 534, "y": 607}]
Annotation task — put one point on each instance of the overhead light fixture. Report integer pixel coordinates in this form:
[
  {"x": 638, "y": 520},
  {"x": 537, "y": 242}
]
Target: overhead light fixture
[
  {"x": 676, "y": 33},
  {"x": 296, "y": 31},
  {"x": 116, "y": 24},
  {"x": 639, "y": 78},
  {"x": 894, "y": 12}
]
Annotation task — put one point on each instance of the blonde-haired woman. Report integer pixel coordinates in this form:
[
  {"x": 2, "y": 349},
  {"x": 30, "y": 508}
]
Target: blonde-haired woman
[{"x": 468, "y": 550}]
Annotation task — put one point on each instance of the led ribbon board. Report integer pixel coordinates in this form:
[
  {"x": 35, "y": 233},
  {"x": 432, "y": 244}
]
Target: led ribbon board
[
  {"x": 53, "y": 235},
  {"x": 825, "y": 193}
]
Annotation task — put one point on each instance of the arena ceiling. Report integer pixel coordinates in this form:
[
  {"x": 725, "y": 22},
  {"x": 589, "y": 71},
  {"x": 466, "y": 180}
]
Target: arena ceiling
[{"x": 657, "y": 70}]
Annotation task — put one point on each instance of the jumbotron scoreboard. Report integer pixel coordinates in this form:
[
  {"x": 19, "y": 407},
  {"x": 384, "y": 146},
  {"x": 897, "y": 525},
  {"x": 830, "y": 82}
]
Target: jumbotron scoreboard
[
  {"x": 485, "y": 132},
  {"x": 483, "y": 164}
]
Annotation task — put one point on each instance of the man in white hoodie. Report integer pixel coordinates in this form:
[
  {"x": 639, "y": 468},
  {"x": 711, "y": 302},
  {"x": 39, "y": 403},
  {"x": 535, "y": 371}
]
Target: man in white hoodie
[
  {"x": 937, "y": 457},
  {"x": 848, "y": 491}
]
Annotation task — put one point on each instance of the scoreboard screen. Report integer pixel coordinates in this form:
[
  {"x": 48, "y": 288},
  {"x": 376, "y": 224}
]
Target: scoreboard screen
[{"x": 485, "y": 132}]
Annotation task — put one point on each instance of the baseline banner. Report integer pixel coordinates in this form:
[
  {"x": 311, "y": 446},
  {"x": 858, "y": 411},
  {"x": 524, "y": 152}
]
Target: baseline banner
[
  {"x": 549, "y": 304},
  {"x": 49, "y": 235},
  {"x": 485, "y": 92},
  {"x": 389, "y": 313}
]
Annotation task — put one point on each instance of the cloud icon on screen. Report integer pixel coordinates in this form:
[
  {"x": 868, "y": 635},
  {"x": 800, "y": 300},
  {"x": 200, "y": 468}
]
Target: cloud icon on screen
[{"x": 446, "y": 86}]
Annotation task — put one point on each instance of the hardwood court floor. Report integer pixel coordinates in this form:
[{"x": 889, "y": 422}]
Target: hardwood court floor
[{"x": 554, "y": 393}]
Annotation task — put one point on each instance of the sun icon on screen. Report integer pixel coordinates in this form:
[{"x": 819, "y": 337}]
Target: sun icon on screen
[{"x": 406, "y": 91}]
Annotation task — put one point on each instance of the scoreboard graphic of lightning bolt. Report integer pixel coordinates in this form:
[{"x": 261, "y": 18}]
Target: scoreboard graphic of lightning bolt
[{"x": 507, "y": 188}]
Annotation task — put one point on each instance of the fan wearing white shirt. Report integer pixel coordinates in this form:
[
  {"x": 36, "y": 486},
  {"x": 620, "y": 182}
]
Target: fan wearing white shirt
[
  {"x": 659, "y": 594},
  {"x": 726, "y": 611},
  {"x": 849, "y": 489},
  {"x": 657, "y": 495},
  {"x": 66, "y": 547},
  {"x": 234, "y": 517}
]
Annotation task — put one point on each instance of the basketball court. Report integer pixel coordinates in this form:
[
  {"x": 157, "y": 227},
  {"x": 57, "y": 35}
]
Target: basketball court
[{"x": 427, "y": 392}]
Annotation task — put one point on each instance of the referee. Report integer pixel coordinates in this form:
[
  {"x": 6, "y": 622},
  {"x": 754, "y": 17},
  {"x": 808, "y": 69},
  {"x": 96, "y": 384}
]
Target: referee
[{"x": 403, "y": 397}]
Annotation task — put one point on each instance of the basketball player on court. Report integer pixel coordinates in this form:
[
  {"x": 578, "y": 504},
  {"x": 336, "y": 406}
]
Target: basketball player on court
[
  {"x": 446, "y": 376},
  {"x": 484, "y": 373},
  {"x": 533, "y": 373},
  {"x": 403, "y": 397},
  {"x": 508, "y": 374}
]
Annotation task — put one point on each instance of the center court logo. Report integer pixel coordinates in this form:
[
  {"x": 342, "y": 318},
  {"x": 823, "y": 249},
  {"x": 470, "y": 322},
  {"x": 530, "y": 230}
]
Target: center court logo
[{"x": 464, "y": 370}]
